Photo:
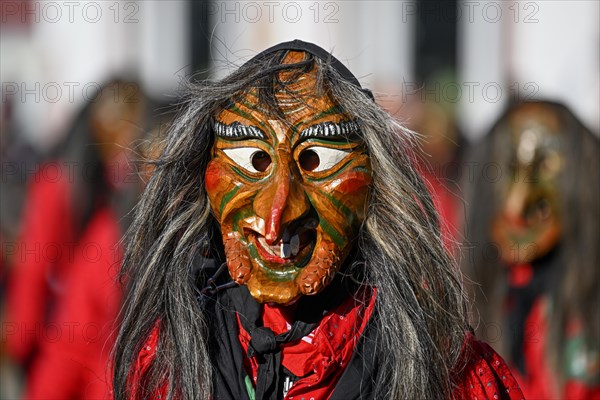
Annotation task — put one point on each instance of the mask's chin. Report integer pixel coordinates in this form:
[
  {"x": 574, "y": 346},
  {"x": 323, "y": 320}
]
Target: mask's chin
[{"x": 266, "y": 291}]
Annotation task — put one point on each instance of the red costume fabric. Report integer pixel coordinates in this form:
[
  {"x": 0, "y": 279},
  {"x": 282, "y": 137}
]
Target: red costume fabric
[
  {"x": 320, "y": 357},
  {"x": 62, "y": 295},
  {"x": 73, "y": 363},
  {"x": 41, "y": 262},
  {"x": 539, "y": 382},
  {"x": 537, "y": 379},
  {"x": 485, "y": 375},
  {"x": 446, "y": 204}
]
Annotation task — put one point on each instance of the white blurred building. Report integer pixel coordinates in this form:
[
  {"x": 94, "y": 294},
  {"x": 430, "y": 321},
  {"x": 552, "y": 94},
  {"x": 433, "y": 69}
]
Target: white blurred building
[{"x": 547, "y": 49}]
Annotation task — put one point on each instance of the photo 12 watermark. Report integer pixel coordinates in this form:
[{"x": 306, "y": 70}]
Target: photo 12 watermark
[
  {"x": 94, "y": 254},
  {"x": 71, "y": 92},
  {"x": 491, "y": 252},
  {"x": 66, "y": 332},
  {"x": 470, "y": 172},
  {"x": 54, "y": 12},
  {"x": 469, "y": 92},
  {"x": 121, "y": 172},
  {"x": 291, "y": 12},
  {"x": 473, "y": 11}
]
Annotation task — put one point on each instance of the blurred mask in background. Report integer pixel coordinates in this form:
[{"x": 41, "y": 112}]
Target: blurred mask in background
[{"x": 528, "y": 223}]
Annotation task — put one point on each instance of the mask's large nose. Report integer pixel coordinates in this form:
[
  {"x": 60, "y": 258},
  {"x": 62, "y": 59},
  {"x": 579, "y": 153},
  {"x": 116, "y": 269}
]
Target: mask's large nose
[
  {"x": 282, "y": 200},
  {"x": 515, "y": 204}
]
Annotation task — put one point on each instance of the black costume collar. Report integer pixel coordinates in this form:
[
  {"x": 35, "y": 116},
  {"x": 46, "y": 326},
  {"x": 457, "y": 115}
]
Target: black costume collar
[
  {"x": 521, "y": 300},
  {"x": 231, "y": 382}
]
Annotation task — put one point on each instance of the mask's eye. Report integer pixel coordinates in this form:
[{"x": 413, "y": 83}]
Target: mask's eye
[
  {"x": 249, "y": 158},
  {"x": 317, "y": 158}
]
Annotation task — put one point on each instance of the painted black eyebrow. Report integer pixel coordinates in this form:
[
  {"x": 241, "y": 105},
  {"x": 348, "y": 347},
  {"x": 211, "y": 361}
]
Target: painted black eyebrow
[
  {"x": 237, "y": 131},
  {"x": 331, "y": 129}
]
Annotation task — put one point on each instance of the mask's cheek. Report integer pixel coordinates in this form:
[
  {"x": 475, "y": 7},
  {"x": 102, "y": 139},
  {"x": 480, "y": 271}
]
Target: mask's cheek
[
  {"x": 343, "y": 202},
  {"x": 231, "y": 202},
  {"x": 218, "y": 184},
  {"x": 237, "y": 209},
  {"x": 340, "y": 205},
  {"x": 320, "y": 270},
  {"x": 238, "y": 258},
  {"x": 227, "y": 193}
]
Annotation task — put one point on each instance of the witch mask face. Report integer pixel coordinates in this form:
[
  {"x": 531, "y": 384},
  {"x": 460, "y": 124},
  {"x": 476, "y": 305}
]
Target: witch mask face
[
  {"x": 289, "y": 191},
  {"x": 528, "y": 224}
]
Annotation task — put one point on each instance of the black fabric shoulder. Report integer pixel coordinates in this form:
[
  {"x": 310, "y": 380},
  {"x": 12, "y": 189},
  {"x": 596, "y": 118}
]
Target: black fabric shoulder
[{"x": 226, "y": 353}]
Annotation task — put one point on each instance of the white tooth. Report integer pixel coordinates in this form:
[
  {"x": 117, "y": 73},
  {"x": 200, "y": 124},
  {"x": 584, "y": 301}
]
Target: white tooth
[
  {"x": 295, "y": 245},
  {"x": 284, "y": 250}
]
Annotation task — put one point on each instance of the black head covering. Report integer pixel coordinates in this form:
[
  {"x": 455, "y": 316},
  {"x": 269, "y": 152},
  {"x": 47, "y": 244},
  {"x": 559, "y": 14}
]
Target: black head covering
[{"x": 299, "y": 45}]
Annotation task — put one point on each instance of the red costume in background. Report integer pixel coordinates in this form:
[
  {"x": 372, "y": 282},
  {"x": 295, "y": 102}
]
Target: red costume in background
[
  {"x": 63, "y": 298},
  {"x": 86, "y": 319},
  {"x": 538, "y": 382},
  {"x": 41, "y": 263}
]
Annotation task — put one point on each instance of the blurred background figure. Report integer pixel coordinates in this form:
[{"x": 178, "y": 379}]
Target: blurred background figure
[
  {"x": 16, "y": 155},
  {"x": 63, "y": 297},
  {"x": 429, "y": 112},
  {"x": 532, "y": 249}
]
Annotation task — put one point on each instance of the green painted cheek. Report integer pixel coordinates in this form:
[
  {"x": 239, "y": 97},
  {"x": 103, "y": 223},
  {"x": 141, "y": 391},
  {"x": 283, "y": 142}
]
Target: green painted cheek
[
  {"x": 337, "y": 238},
  {"x": 239, "y": 216},
  {"x": 524, "y": 240},
  {"x": 346, "y": 212},
  {"x": 227, "y": 198}
]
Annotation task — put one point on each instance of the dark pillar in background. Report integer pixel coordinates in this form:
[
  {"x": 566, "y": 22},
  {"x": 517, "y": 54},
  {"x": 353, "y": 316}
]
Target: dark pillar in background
[
  {"x": 200, "y": 31},
  {"x": 435, "y": 71},
  {"x": 435, "y": 47}
]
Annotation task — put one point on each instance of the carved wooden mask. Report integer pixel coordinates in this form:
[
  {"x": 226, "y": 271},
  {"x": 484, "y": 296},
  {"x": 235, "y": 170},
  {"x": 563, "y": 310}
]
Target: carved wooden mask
[{"x": 288, "y": 190}]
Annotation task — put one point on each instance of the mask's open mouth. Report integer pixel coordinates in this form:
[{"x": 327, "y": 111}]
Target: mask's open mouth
[{"x": 292, "y": 249}]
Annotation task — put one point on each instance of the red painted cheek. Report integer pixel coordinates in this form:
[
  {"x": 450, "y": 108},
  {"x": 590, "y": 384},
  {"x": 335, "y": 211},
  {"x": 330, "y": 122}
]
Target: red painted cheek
[
  {"x": 211, "y": 176},
  {"x": 351, "y": 183}
]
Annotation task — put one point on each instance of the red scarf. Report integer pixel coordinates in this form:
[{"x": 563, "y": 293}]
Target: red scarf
[{"x": 318, "y": 359}]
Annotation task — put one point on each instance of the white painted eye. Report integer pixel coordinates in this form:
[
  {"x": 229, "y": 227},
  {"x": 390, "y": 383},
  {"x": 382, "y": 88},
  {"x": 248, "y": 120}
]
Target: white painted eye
[
  {"x": 317, "y": 158},
  {"x": 250, "y": 158}
]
